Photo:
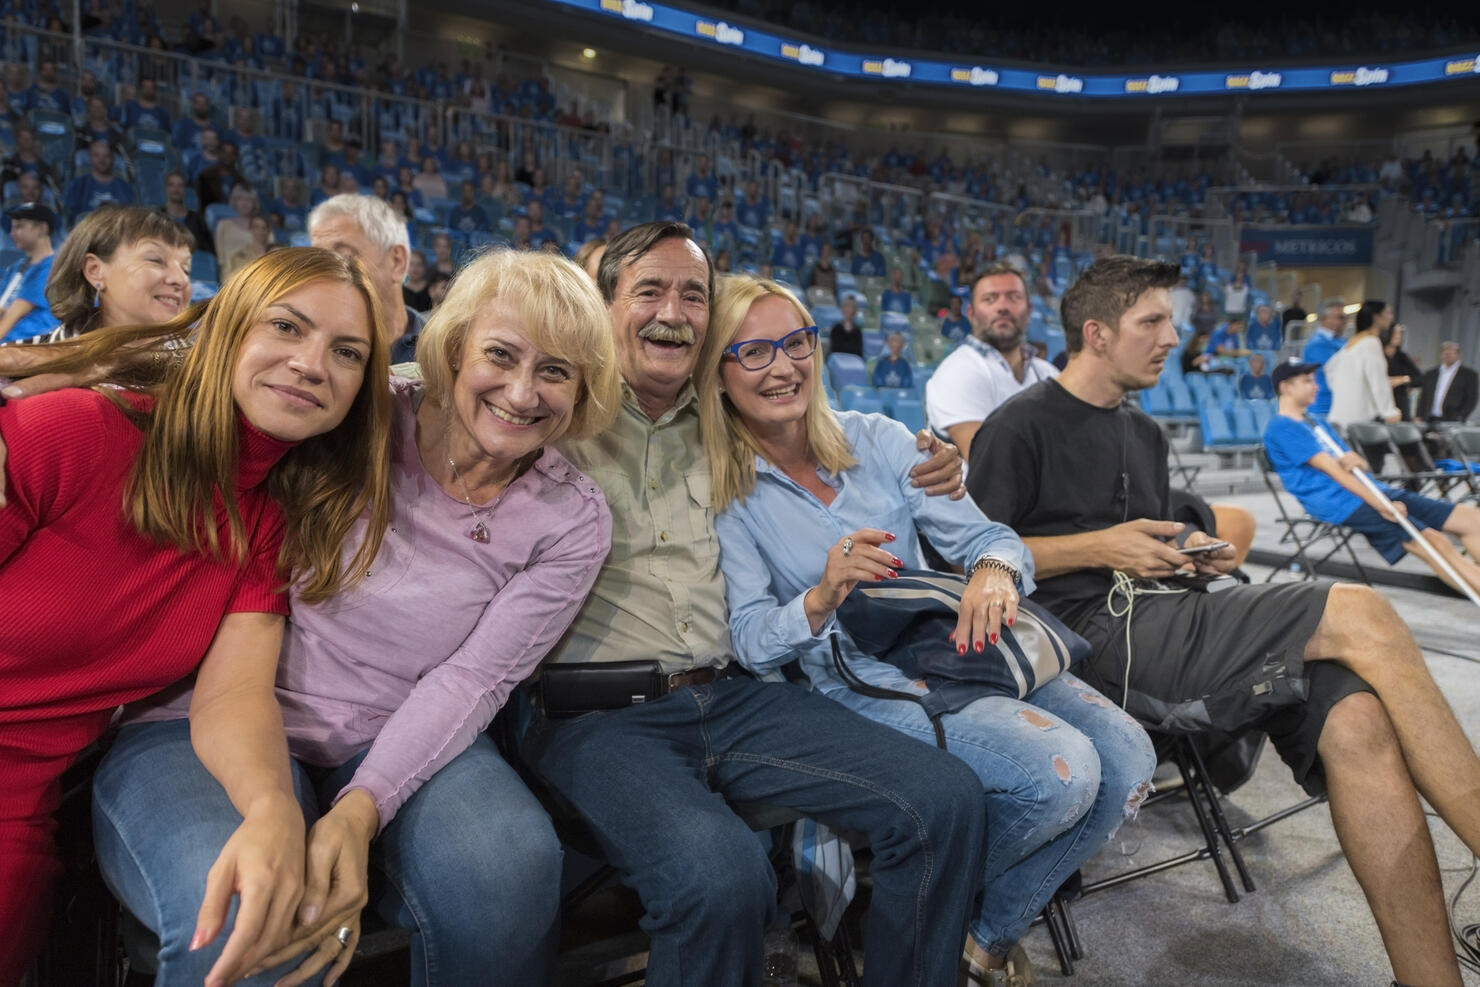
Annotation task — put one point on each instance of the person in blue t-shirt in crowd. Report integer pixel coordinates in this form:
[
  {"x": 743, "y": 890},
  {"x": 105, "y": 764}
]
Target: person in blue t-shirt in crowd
[
  {"x": 724, "y": 232},
  {"x": 1265, "y": 331},
  {"x": 867, "y": 262},
  {"x": 895, "y": 297},
  {"x": 1227, "y": 343},
  {"x": 592, "y": 223},
  {"x": 701, "y": 184},
  {"x": 788, "y": 252},
  {"x": 144, "y": 109},
  {"x": 24, "y": 311},
  {"x": 1254, "y": 383},
  {"x": 539, "y": 233},
  {"x": 955, "y": 326},
  {"x": 893, "y": 370},
  {"x": 1326, "y": 488},
  {"x": 1323, "y": 344},
  {"x": 102, "y": 184},
  {"x": 467, "y": 215},
  {"x": 754, "y": 209}
]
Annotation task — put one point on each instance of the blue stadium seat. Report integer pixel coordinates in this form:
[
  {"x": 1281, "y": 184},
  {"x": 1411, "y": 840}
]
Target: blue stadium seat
[
  {"x": 826, "y": 316},
  {"x": 873, "y": 343},
  {"x": 1215, "y": 428},
  {"x": 203, "y": 266},
  {"x": 1263, "y": 412},
  {"x": 1157, "y": 401},
  {"x": 1245, "y": 426},
  {"x": 845, "y": 369},
  {"x": 217, "y": 211},
  {"x": 1201, "y": 387},
  {"x": 854, "y": 397},
  {"x": 1182, "y": 403},
  {"x": 910, "y": 412},
  {"x": 1222, "y": 387}
]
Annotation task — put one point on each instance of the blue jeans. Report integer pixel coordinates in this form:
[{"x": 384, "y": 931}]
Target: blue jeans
[
  {"x": 1061, "y": 771},
  {"x": 470, "y": 864},
  {"x": 652, "y": 781}
]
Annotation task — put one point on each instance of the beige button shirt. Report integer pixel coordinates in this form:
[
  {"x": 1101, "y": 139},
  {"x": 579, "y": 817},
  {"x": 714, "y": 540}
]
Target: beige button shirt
[{"x": 660, "y": 594}]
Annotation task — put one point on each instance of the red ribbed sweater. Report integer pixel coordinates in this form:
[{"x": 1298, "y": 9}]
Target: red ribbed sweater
[{"x": 94, "y": 615}]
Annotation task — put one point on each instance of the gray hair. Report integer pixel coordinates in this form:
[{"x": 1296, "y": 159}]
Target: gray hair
[
  {"x": 1331, "y": 303},
  {"x": 381, "y": 224}
]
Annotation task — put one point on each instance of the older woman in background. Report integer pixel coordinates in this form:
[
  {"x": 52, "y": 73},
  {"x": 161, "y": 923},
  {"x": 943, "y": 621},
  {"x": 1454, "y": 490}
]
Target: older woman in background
[
  {"x": 494, "y": 541},
  {"x": 120, "y": 266}
]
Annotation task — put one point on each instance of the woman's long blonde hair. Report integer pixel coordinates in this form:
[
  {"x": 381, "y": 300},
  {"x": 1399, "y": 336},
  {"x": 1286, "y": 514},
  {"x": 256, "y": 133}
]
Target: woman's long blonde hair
[
  {"x": 728, "y": 441},
  {"x": 190, "y": 453}
]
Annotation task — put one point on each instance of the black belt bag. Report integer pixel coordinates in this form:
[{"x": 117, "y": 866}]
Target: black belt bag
[{"x": 587, "y": 687}]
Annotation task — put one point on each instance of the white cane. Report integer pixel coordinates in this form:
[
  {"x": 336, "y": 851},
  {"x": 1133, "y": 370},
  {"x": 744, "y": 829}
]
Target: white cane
[{"x": 1372, "y": 486}]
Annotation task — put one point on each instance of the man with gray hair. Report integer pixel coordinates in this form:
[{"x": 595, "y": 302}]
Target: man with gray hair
[
  {"x": 1322, "y": 346},
  {"x": 1450, "y": 391},
  {"x": 365, "y": 227}
]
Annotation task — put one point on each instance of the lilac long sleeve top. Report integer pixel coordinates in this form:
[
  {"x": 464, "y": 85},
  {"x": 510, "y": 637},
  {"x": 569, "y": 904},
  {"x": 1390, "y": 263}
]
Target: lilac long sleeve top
[{"x": 415, "y": 660}]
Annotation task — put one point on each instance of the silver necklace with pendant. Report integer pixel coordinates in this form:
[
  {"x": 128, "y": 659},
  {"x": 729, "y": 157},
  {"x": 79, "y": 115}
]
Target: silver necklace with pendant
[{"x": 479, "y": 531}]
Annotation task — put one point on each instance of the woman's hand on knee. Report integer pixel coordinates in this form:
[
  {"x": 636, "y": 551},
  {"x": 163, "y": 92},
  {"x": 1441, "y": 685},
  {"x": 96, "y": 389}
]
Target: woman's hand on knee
[
  {"x": 262, "y": 864},
  {"x": 336, "y": 948},
  {"x": 337, "y": 879}
]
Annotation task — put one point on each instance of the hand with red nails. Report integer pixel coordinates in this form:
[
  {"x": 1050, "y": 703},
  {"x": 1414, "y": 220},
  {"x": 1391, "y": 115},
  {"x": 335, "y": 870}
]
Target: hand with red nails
[
  {"x": 989, "y": 603},
  {"x": 857, "y": 558}
]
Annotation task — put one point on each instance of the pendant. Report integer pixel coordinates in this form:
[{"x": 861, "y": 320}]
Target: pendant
[{"x": 479, "y": 533}]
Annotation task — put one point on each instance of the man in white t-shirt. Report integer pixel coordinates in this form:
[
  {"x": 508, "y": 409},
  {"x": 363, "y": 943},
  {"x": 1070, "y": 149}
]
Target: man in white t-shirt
[{"x": 991, "y": 365}]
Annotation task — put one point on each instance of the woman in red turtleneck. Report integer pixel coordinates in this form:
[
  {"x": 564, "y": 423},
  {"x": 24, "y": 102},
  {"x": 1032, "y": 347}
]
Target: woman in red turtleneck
[{"x": 148, "y": 533}]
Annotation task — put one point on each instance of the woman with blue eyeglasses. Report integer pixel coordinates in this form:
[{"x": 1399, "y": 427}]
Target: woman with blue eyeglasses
[{"x": 812, "y": 502}]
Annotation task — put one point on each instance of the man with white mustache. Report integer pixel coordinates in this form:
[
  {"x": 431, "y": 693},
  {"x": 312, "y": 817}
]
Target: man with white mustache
[{"x": 670, "y": 722}]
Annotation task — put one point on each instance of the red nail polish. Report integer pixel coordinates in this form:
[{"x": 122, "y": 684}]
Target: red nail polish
[
  {"x": 878, "y": 579},
  {"x": 994, "y": 638},
  {"x": 898, "y": 564},
  {"x": 1011, "y": 621},
  {"x": 982, "y": 647},
  {"x": 951, "y": 637},
  {"x": 892, "y": 574},
  {"x": 961, "y": 649},
  {"x": 888, "y": 537}
]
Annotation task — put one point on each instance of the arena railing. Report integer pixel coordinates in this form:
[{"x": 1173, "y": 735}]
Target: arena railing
[{"x": 366, "y": 114}]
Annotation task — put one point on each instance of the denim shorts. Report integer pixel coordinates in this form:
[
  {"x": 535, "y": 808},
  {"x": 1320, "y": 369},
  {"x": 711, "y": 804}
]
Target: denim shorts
[{"x": 1388, "y": 536}]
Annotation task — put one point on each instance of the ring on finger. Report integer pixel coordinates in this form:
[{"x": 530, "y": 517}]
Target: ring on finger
[
  {"x": 343, "y": 935},
  {"x": 847, "y": 546}
]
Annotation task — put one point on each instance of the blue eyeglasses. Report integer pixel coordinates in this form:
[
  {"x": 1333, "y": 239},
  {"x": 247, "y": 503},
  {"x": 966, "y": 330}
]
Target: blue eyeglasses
[{"x": 758, "y": 354}]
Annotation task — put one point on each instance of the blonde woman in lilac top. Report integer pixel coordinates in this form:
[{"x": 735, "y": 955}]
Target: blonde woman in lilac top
[{"x": 494, "y": 542}]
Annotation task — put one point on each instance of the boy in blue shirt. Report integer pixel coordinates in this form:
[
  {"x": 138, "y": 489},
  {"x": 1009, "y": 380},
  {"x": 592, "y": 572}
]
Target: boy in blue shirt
[
  {"x": 895, "y": 298},
  {"x": 24, "y": 311},
  {"x": 1265, "y": 332},
  {"x": 955, "y": 326},
  {"x": 867, "y": 262},
  {"x": 893, "y": 370},
  {"x": 1255, "y": 384},
  {"x": 1328, "y": 491}
]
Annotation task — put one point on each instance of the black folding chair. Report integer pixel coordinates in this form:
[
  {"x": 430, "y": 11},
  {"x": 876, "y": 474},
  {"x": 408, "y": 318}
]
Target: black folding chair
[
  {"x": 1304, "y": 532},
  {"x": 1220, "y": 840},
  {"x": 1407, "y": 440}
]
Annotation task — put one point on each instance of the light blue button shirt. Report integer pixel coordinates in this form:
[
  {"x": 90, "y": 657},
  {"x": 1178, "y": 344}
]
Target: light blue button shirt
[{"x": 773, "y": 547}]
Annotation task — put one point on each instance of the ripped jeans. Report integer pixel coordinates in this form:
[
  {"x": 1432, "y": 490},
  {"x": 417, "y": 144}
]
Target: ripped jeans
[{"x": 1062, "y": 770}]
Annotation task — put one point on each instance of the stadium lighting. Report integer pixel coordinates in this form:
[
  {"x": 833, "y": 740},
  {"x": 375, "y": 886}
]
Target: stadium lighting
[{"x": 588, "y": 53}]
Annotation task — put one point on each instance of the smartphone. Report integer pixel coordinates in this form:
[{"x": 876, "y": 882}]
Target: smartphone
[{"x": 1200, "y": 549}]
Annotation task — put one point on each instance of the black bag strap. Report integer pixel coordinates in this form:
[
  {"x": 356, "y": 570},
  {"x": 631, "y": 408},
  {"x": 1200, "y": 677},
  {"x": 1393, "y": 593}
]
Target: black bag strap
[{"x": 851, "y": 679}]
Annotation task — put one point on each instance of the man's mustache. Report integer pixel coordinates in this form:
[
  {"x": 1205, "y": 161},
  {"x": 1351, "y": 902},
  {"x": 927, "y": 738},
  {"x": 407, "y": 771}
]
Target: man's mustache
[{"x": 657, "y": 332}]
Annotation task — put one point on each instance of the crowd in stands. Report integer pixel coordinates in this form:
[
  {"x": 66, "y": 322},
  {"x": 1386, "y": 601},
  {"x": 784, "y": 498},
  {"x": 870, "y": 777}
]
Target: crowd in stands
[{"x": 1086, "y": 38}]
